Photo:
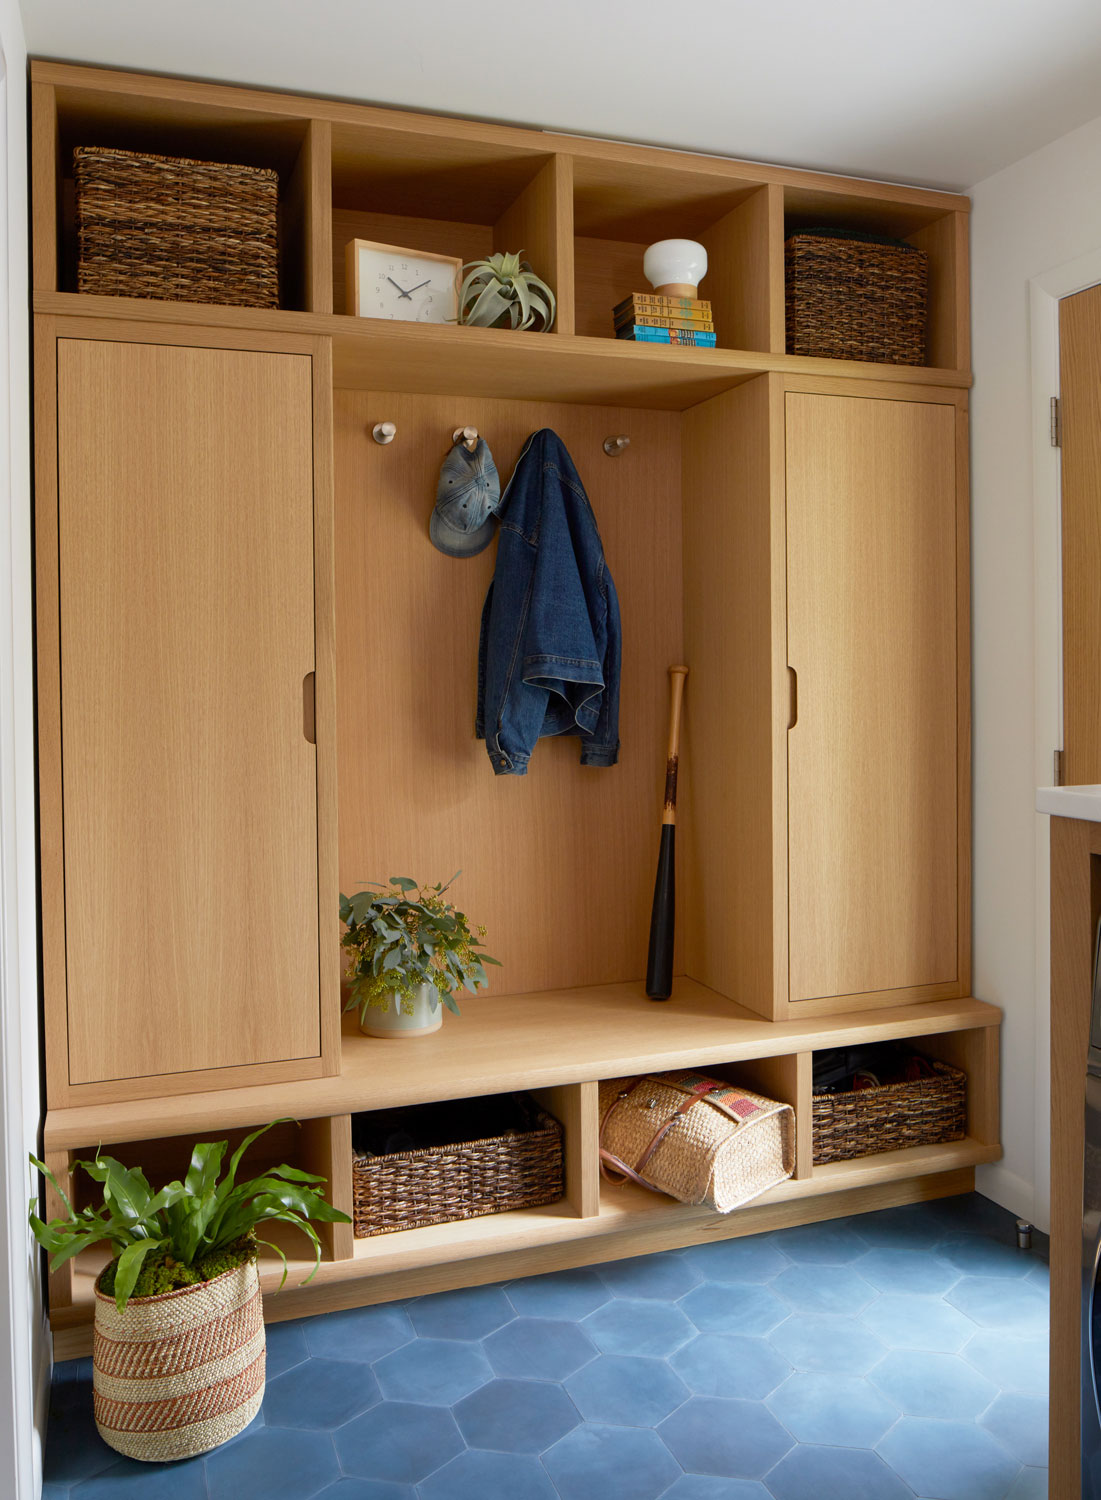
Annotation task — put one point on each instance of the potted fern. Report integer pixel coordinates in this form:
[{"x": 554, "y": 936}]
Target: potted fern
[
  {"x": 178, "y": 1343},
  {"x": 408, "y": 951},
  {"x": 503, "y": 291}
]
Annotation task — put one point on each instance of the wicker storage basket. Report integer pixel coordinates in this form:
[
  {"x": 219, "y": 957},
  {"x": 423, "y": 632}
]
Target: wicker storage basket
[
  {"x": 852, "y": 296},
  {"x": 696, "y": 1138},
  {"x": 865, "y": 1122},
  {"x": 518, "y": 1168},
  {"x": 177, "y": 1374},
  {"x": 175, "y": 230}
]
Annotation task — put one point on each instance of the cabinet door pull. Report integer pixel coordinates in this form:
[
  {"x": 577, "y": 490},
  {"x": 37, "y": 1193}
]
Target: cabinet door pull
[
  {"x": 309, "y": 719},
  {"x": 793, "y": 697}
]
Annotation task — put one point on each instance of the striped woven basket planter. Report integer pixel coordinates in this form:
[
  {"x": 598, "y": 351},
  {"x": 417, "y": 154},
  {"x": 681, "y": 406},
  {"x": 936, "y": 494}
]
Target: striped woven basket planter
[{"x": 177, "y": 1374}]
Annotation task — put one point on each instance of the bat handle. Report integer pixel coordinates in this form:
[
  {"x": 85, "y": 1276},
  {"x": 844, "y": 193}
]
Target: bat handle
[{"x": 676, "y": 700}]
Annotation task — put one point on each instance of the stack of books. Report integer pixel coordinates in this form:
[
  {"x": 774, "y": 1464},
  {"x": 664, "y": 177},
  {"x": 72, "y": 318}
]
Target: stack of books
[{"x": 646, "y": 318}]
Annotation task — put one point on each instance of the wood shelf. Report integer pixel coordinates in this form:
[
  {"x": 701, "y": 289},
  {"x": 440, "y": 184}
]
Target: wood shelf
[
  {"x": 422, "y": 359},
  {"x": 507, "y": 1042}
]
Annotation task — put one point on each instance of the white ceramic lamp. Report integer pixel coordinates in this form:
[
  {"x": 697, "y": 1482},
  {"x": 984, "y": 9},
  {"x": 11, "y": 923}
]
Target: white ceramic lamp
[{"x": 675, "y": 268}]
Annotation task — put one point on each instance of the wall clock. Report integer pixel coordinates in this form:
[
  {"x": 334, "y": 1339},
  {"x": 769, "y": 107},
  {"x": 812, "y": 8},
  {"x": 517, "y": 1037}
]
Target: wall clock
[{"x": 385, "y": 281}]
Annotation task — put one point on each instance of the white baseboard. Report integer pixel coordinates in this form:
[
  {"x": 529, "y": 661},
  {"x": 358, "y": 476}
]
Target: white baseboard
[{"x": 1012, "y": 1192}]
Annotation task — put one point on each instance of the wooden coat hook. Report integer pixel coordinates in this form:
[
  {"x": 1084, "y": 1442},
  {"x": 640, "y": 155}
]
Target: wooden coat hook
[
  {"x": 468, "y": 436},
  {"x": 384, "y": 432},
  {"x": 614, "y": 446}
]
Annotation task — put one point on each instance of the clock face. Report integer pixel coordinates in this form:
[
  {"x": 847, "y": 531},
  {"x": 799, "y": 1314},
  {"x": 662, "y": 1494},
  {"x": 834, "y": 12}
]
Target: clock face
[{"x": 404, "y": 284}]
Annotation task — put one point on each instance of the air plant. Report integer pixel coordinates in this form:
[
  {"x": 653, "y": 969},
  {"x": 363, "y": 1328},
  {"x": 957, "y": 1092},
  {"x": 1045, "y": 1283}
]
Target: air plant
[{"x": 504, "y": 292}]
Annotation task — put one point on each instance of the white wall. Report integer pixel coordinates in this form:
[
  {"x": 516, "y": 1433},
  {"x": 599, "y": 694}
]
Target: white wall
[
  {"x": 24, "y": 1345},
  {"x": 1037, "y": 215}
]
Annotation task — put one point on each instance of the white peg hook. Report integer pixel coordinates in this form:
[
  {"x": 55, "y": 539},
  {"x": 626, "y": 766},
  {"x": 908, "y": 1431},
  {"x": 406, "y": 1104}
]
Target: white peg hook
[
  {"x": 384, "y": 432},
  {"x": 614, "y": 446},
  {"x": 468, "y": 437}
]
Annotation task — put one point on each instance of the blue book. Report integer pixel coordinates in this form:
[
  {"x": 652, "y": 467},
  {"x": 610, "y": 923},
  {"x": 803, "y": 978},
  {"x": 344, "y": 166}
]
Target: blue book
[{"x": 642, "y": 335}]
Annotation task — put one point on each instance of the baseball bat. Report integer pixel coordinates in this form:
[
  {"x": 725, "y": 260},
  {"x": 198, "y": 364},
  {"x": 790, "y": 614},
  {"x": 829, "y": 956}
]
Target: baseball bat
[{"x": 659, "y": 961}]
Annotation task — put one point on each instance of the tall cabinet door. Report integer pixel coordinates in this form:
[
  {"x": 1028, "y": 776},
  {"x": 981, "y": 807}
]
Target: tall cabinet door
[
  {"x": 185, "y": 532},
  {"x": 875, "y": 748}
]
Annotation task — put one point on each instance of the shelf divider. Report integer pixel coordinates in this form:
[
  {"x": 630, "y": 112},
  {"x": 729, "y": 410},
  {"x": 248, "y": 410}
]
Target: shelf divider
[{"x": 575, "y": 1106}]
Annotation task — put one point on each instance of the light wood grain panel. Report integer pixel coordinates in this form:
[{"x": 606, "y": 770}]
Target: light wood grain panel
[
  {"x": 507, "y": 1042},
  {"x": 641, "y": 1225},
  {"x": 963, "y": 697},
  {"x": 545, "y": 894},
  {"x": 872, "y": 756},
  {"x": 975, "y": 1053},
  {"x": 777, "y": 309},
  {"x": 739, "y": 283},
  {"x": 1080, "y": 396},
  {"x": 175, "y": 613},
  {"x": 164, "y": 102},
  {"x": 540, "y": 223},
  {"x": 51, "y": 816},
  {"x": 45, "y": 184},
  {"x": 576, "y": 1107},
  {"x": 605, "y": 271},
  {"x": 325, "y": 712},
  {"x": 308, "y": 221},
  {"x": 948, "y": 330},
  {"x": 326, "y": 1149},
  {"x": 1074, "y": 913},
  {"x": 726, "y": 851},
  {"x": 60, "y": 1282},
  {"x": 425, "y": 359}
]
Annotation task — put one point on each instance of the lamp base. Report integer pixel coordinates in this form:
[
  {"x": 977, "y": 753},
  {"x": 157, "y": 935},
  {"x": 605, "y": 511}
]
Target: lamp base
[{"x": 677, "y": 289}]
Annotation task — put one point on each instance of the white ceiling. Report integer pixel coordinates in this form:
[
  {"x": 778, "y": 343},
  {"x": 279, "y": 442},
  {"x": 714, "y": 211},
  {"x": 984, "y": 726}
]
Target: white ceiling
[{"x": 937, "y": 92}]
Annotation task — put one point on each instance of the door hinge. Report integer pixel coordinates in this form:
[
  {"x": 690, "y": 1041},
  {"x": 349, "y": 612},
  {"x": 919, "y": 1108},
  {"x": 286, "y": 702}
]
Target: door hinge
[
  {"x": 1056, "y": 423},
  {"x": 1058, "y": 768}
]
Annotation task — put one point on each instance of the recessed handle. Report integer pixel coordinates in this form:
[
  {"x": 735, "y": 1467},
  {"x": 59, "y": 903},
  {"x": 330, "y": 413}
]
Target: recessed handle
[
  {"x": 309, "y": 708},
  {"x": 793, "y": 697}
]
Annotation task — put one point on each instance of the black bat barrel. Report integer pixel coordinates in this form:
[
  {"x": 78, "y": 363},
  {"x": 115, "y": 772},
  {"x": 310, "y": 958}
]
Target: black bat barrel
[{"x": 659, "y": 962}]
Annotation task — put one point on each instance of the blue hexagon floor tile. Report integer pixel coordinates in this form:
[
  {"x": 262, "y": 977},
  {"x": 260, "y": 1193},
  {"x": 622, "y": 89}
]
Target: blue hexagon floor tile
[
  {"x": 638, "y": 1327},
  {"x": 878, "y": 1357}
]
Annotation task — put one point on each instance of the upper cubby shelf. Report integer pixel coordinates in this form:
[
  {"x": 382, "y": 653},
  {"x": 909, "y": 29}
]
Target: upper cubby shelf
[{"x": 582, "y": 210}]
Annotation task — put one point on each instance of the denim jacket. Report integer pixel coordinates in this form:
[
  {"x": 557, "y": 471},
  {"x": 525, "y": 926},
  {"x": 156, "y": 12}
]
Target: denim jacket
[{"x": 548, "y": 662}]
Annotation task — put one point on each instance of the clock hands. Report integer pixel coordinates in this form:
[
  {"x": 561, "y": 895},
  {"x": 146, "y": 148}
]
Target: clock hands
[{"x": 402, "y": 290}]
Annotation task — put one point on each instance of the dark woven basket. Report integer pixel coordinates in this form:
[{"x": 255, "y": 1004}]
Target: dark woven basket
[
  {"x": 440, "y": 1184},
  {"x": 868, "y": 1121},
  {"x": 852, "y": 296},
  {"x": 176, "y": 230}
]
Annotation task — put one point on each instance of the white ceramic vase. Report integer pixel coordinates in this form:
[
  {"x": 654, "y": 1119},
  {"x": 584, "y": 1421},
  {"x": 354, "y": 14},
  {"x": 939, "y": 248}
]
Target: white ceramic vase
[{"x": 393, "y": 1020}]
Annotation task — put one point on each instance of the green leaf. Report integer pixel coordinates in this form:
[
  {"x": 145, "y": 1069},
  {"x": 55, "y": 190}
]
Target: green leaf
[
  {"x": 206, "y": 1159},
  {"x": 129, "y": 1268},
  {"x": 451, "y": 1003},
  {"x": 125, "y": 1190},
  {"x": 403, "y": 882},
  {"x": 52, "y": 1180}
]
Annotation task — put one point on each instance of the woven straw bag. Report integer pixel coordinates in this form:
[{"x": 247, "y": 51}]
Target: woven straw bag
[
  {"x": 177, "y": 1374},
  {"x": 696, "y": 1138}
]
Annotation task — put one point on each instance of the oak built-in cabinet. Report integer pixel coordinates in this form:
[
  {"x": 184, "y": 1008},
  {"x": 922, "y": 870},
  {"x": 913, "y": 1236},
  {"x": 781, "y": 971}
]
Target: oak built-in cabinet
[{"x": 257, "y": 677}]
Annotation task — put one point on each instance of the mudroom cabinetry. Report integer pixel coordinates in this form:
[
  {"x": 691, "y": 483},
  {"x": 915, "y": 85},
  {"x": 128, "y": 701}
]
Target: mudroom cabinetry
[{"x": 257, "y": 677}]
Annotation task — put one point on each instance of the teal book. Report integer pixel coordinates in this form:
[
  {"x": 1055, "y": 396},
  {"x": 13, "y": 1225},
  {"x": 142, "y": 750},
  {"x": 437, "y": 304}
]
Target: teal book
[{"x": 643, "y": 335}]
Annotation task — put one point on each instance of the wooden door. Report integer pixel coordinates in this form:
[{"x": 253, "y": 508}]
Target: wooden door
[
  {"x": 186, "y": 588},
  {"x": 1080, "y": 401},
  {"x": 873, "y": 797}
]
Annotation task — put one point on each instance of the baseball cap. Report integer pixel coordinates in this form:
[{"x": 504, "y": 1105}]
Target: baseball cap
[{"x": 467, "y": 496}]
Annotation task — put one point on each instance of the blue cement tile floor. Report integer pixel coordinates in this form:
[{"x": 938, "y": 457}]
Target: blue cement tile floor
[{"x": 890, "y": 1356}]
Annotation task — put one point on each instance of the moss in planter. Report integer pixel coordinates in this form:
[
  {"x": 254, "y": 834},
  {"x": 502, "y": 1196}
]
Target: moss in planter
[{"x": 161, "y": 1273}]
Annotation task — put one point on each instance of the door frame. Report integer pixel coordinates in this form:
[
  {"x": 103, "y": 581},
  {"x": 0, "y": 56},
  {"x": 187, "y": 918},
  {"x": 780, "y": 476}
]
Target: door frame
[{"x": 1046, "y": 291}]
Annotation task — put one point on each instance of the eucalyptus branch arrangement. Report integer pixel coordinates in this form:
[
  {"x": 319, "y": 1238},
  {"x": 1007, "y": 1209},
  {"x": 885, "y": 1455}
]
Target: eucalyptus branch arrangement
[
  {"x": 402, "y": 935},
  {"x": 504, "y": 292},
  {"x": 188, "y": 1232}
]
